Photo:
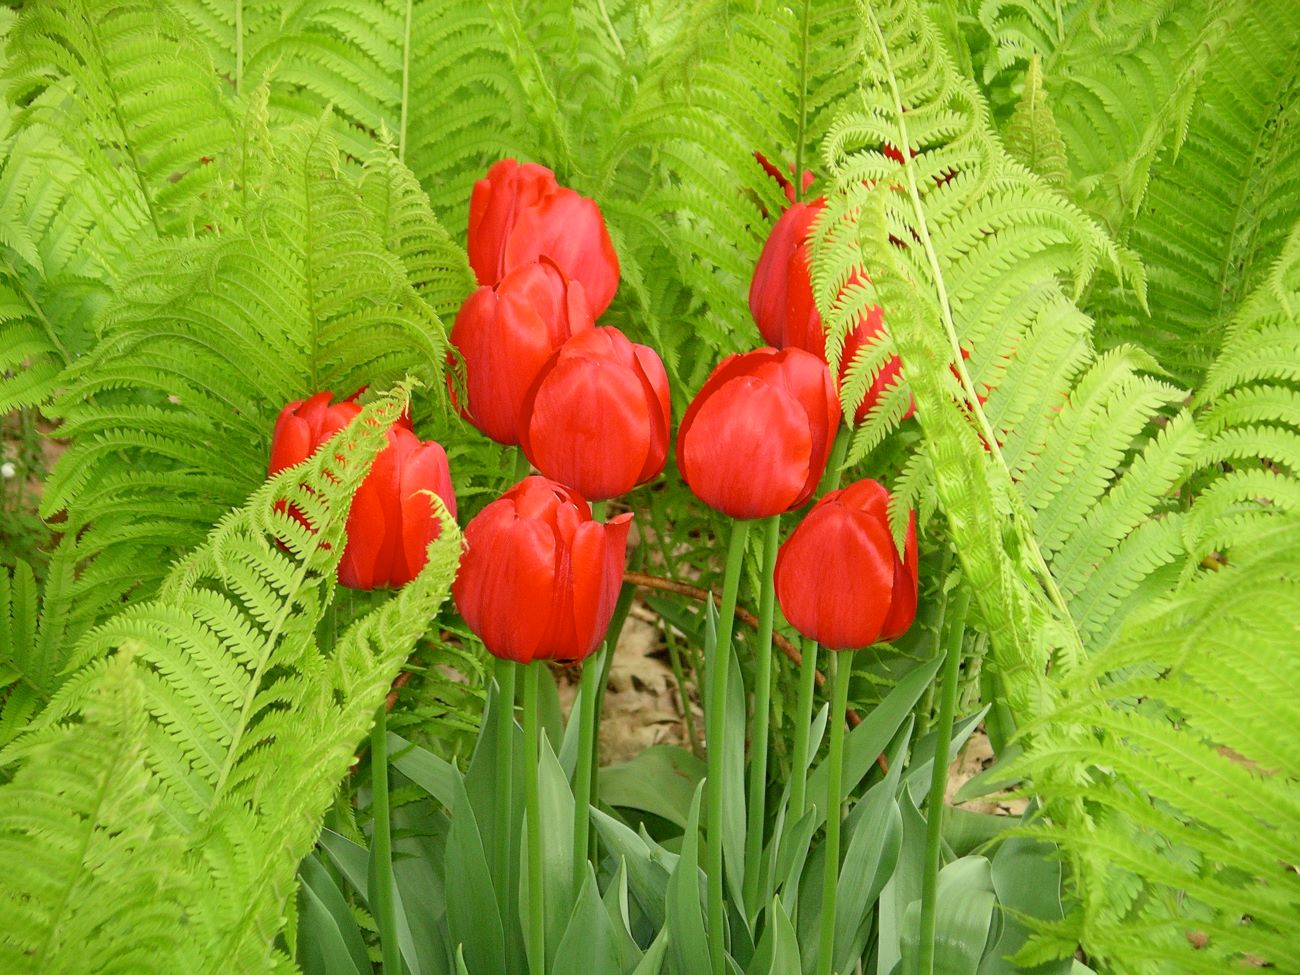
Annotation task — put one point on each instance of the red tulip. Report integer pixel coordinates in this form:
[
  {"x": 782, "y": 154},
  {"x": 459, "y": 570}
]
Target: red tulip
[
  {"x": 840, "y": 579},
  {"x": 597, "y": 415},
  {"x": 539, "y": 578},
  {"x": 788, "y": 187},
  {"x": 519, "y": 214},
  {"x": 755, "y": 440},
  {"x": 507, "y": 333},
  {"x": 781, "y": 301},
  {"x": 391, "y": 521}
]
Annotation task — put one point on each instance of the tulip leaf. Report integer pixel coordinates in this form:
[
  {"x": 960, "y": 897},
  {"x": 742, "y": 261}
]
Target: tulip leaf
[
  {"x": 796, "y": 842},
  {"x": 653, "y": 961},
  {"x": 865, "y": 743},
  {"x": 685, "y": 901},
  {"x": 473, "y": 919},
  {"x": 616, "y": 906},
  {"x": 964, "y": 912},
  {"x": 874, "y": 835},
  {"x": 556, "y": 827},
  {"x": 778, "y": 949},
  {"x": 329, "y": 941},
  {"x": 660, "y": 780},
  {"x": 588, "y": 945},
  {"x": 648, "y": 864},
  {"x": 1027, "y": 881},
  {"x": 431, "y": 773},
  {"x": 904, "y": 885}
]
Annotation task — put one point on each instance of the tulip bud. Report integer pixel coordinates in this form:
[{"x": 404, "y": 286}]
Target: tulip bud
[
  {"x": 786, "y": 185},
  {"x": 539, "y": 578},
  {"x": 597, "y": 415},
  {"x": 505, "y": 335},
  {"x": 391, "y": 522},
  {"x": 519, "y": 214},
  {"x": 839, "y": 577},
  {"x": 781, "y": 301},
  {"x": 755, "y": 440}
]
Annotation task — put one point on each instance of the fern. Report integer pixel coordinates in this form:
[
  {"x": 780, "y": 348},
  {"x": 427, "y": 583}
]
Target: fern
[
  {"x": 225, "y": 713},
  {"x": 1250, "y": 410},
  {"x": 170, "y": 415},
  {"x": 1195, "y": 767}
]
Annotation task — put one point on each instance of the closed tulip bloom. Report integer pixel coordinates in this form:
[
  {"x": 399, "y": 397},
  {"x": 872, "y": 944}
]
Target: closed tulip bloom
[
  {"x": 505, "y": 335},
  {"x": 755, "y": 440},
  {"x": 391, "y": 522},
  {"x": 539, "y": 578},
  {"x": 597, "y": 415},
  {"x": 840, "y": 579},
  {"x": 519, "y": 214},
  {"x": 781, "y": 301}
]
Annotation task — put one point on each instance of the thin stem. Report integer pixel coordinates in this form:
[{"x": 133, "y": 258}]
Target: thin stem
[
  {"x": 683, "y": 696},
  {"x": 406, "y": 82},
  {"x": 533, "y": 804},
  {"x": 834, "y": 472},
  {"x": 803, "y": 728},
  {"x": 382, "y": 846},
  {"x": 522, "y": 467},
  {"x": 757, "y": 812},
  {"x": 716, "y": 732},
  {"x": 840, "y": 671},
  {"x": 239, "y": 46},
  {"x": 505, "y": 724},
  {"x": 582, "y": 781},
  {"x": 956, "y": 625}
]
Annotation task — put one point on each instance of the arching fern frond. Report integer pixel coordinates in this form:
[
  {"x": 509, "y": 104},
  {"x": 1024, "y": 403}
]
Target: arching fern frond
[
  {"x": 1217, "y": 214},
  {"x": 1249, "y": 408},
  {"x": 142, "y": 109},
  {"x": 243, "y": 726},
  {"x": 32, "y": 355},
  {"x": 1200, "y": 779},
  {"x": 171, "y": 415},
  {"x": 969, "y": 253}
]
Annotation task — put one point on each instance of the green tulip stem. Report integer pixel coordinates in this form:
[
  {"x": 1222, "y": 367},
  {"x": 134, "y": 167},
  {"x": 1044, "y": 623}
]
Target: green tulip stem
[
  {"x": 803, "y": 105},
  {"x": 716, "y": 731},
  {"x": 757, "y": 813},
  {"x": 382, "y": 845},
  {"x": 586, "y": 715},
  {"x": 803, "y": 728},
  {"x": 533, "y": 805},
  {"x": 956, "y": 630},
  {"x": 505, "y": 725},
  {"x": 840, "y": 672},
  {"x": 598, "y": 510},
  {"x": 522, "y": 467}
]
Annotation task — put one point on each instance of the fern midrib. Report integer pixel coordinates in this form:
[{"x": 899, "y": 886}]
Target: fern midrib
[
  {"x": 309, "y": 261},
  {"x": 92, "y": 818},
  {"x": 958, "y": 363},
  {"x": 102, "y": 61},
  {"x": 406, "y": 83},
  {"x": 1247, "y": 221}
]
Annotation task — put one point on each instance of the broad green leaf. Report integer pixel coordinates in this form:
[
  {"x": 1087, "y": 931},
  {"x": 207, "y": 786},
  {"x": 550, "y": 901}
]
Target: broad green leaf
[
  {"x": 660, "y": 780},
  {"x": 556, "y": 827},
  {"x": 432, "y": 774},
  {"x": 648, "y": 864},
  {"x": 964, "y": 906},
  {"x": 329, "y": 941},
  {"x": 778, "y": 949},
  {"x": 685, "y": 903},
  {"x": 868, "y": 741},
  {"x": 904, "y": 886},
  {"x": 473, "y": 920},
  {"x": 589, "y": 945},
  {"x": 1027, "y": 881}
]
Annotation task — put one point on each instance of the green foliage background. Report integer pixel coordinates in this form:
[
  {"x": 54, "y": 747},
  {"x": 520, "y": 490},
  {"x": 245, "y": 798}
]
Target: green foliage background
[{"x": 209, "y": 209}]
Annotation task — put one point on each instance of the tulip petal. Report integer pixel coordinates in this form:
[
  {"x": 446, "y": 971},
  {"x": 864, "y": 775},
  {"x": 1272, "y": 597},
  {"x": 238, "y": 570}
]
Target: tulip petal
[
  {"x": 568, "y": 229},
  {"x": 834, "y": 577},
  {"x": 902, "y": 607},
  {"x": 494, "y": 205},
  {"x": 747, "y": 451}
]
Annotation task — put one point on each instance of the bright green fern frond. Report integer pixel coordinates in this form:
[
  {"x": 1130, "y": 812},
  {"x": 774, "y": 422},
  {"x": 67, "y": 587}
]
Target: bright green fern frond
[
  {"x": 1033, "y": 440},
  {"x": 1217, "y": 215},
  {"x": 93, "y": 880},
  {"x": 171, "y": 415},
  {"x": 32, "y": 355},
  {"x": 244, "y": 724},
  {"x": 1249, "y": 408},
  {"x": 1208, "y": 763},
  {"x": 143, "y": 110}
]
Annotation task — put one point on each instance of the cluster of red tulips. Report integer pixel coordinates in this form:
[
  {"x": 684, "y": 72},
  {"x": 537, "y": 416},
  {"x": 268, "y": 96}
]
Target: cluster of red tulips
[{"x": 591, "y": 412}]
